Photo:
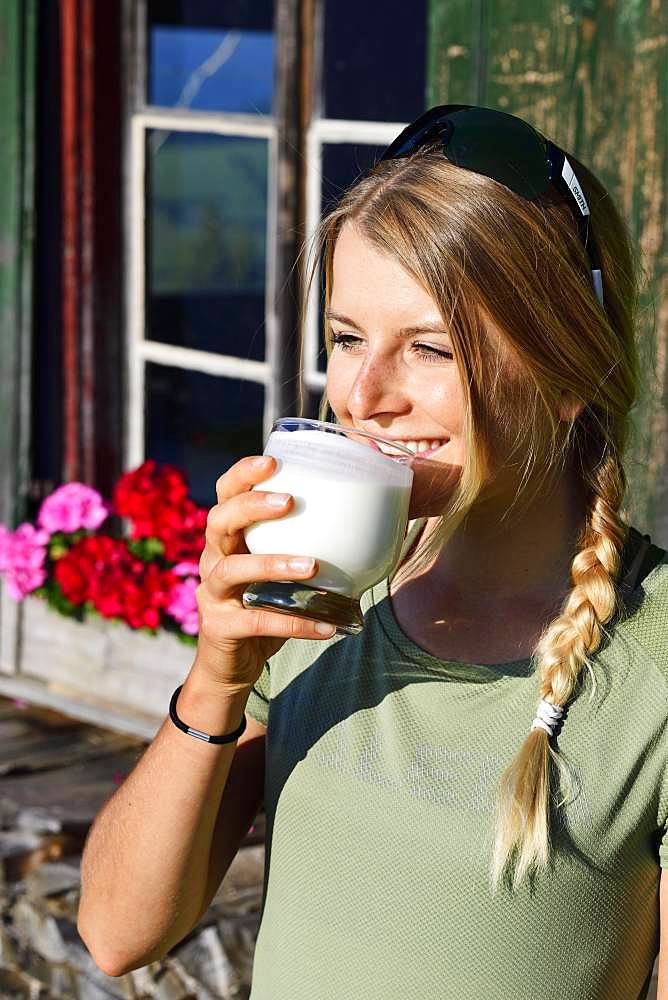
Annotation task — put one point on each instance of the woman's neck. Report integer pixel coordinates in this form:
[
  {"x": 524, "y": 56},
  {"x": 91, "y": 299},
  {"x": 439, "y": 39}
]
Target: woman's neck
[
  {"x": 495, "y": 584},
  {"x": 490, "y": 560}
]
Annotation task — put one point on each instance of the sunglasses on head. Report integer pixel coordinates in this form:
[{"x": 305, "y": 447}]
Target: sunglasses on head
[{"x": 508, "y": 150}]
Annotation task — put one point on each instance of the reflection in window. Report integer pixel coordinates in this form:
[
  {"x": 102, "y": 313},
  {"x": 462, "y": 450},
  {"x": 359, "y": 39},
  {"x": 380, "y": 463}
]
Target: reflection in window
[
  {"x": 211, "y": 56},
  {"x": 206, "y": 241},
  {"x": 202, "y": 423}
]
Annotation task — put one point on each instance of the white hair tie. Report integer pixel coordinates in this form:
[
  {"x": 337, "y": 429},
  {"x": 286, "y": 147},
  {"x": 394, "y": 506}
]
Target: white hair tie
[{"x": 547, "y": 717}]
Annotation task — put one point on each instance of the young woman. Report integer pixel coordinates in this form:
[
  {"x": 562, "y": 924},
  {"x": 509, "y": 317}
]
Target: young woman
[{"x": 470, "y": 798}]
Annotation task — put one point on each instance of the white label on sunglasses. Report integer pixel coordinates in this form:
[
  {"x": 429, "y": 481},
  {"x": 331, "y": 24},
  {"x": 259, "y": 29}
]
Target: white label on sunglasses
[{"x": 569, "y": 176}]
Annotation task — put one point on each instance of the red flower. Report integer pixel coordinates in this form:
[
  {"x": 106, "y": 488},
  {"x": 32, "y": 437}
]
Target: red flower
[
  {"x": 155, "y": 500},
  {"x": 181, "y": 529},
  {"x": 103, "y": 570}
]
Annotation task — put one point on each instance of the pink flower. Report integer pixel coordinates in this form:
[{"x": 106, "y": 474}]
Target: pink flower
[
  {"x": 22, "y": 559},
  {"x": 186, "y": 569},
  {"x": 182, "y": 604},
  {"x": 71, "y": 507}
]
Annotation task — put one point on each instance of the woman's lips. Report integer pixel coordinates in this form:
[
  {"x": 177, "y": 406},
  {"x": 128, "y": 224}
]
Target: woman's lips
[
  {"x": 431, "y": 451},
  {"x": 404, "y": 458}
]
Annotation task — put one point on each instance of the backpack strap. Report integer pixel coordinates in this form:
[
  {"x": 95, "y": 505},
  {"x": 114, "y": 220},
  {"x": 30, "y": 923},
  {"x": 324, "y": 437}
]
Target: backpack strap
[{"x": 639, "y": 558}]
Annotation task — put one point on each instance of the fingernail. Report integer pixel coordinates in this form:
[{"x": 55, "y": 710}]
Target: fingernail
[
  {"x": 302, "y": 564},
  {"x": 257, "y": 463},
  {"x": 277, "y": 499},
  {"x": 322, "y": 628}
]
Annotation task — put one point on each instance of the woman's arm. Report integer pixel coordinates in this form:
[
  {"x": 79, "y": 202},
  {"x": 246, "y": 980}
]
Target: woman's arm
[
  {"x": 158, "y": 849},
  {"x": 662, "y": 989}
]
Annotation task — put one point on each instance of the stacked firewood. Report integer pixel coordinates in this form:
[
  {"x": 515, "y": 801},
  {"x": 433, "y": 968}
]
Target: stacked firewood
[{"x": 42, "y": 834}]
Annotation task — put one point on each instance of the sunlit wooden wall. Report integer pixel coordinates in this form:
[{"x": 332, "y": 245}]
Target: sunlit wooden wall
[{"x": 593, "y": 75}]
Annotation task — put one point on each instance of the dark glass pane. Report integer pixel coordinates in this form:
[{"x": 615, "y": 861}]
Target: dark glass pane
[
  {"x": 211, "y": 56},
  {"x": 375, "y": 55},
  {"x": 206, "y": 241},
  {"x": 201, "y": 423},
  {"x": 312, "y": 399},
  {"x": 342, "y": 165}
]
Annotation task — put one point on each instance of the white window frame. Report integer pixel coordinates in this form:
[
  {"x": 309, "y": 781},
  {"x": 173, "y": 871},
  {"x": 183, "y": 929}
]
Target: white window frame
[{"x": 139, "y": 349}]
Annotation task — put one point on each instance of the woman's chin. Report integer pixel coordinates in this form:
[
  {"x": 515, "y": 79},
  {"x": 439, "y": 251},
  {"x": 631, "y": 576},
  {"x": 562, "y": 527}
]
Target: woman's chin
[{"x": 433, "y": 486}]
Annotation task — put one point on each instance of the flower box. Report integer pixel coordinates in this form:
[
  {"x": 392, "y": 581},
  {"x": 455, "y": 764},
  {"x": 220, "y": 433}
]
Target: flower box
[
  {"x": 97, "y": 670},
  {"x": 98, "y": 613}
]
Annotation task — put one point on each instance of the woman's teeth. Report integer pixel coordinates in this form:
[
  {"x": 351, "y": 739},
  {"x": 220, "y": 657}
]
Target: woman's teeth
[{"x": 417, "y": 447}]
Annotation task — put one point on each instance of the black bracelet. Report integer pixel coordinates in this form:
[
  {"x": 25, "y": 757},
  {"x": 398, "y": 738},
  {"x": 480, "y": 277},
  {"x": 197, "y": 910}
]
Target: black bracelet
[{"x": 230, "y": 738}]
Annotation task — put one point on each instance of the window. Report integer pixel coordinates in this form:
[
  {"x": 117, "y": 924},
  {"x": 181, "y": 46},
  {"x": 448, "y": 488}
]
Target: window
[
  {"x": 200, "y": 234},
  {"x": 208, "y": 360},
  {"x": 373, "y": 82}
]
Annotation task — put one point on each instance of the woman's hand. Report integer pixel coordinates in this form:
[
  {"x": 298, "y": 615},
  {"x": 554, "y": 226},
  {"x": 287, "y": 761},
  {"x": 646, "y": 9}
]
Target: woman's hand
[{"x": 234, "y": 641}]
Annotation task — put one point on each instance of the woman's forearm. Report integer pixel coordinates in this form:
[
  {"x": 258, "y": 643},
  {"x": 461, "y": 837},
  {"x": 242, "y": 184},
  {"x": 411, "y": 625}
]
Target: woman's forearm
[{"x": 145, "y": 863}]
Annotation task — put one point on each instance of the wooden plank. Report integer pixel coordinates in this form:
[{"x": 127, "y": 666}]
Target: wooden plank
[
  {"x": 118, "y": 717},
  {"x": 102, "y": 663},
  {"x": 11, "y": 614},
  {"x": 35, "y": 751},
  {"x": 71, "y": 237},
  {"x": 284, "y": 284},
  {"x": 18, "y": 34},
  {"x": 453, "y": 50},
  {"x": 75, "y": 793}
]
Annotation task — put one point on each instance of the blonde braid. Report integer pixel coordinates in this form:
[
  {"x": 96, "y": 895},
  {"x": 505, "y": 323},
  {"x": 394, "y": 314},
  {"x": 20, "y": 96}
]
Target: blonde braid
[{"x": 522, "y": 837}]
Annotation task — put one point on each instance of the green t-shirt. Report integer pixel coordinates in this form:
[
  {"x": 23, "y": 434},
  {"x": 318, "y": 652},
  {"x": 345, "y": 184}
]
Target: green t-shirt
[{"x": 381, "y": 772}]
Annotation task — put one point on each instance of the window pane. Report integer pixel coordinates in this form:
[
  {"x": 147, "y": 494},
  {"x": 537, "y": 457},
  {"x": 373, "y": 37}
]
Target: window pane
[
  {"x": 374, "y": 59},
  {"x": 211, "y": 56},
  {"x": 206, "y": 224},
  {"x": 312, "y": 399},
  {"x": 342, "y": 164},
  {"x": 202, "y": 423}
]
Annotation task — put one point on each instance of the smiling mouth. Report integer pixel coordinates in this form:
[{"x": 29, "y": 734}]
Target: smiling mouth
[{"x": 421, "y": 449}]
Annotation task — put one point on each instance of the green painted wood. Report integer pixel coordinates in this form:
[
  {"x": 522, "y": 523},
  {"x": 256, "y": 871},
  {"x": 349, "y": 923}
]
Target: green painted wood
[
  {"x": 453, "y": 52},
  {"x": 593, "y": 75},
  {"x": 18, "y": 36}
]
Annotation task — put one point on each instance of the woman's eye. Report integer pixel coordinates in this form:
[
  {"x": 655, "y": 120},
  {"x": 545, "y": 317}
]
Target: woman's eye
[
  {"x": 435, "y": 353},
  {"x": 343, "y": 340},
  {"x": 346, "y": 342}
]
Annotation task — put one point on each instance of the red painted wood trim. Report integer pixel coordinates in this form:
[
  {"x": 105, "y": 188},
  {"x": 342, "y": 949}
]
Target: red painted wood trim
[
  {"x": 69, "y": 22},
  {"x": 87, "y": 215}
]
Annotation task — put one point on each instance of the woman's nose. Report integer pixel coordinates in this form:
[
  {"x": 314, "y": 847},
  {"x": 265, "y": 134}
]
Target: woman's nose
[{"x": 375, "y": 390}]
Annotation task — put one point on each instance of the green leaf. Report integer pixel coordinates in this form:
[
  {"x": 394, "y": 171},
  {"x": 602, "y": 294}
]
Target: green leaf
[
  {"x": 146, "y": 549},
  {"x": 57, "y": 600},
  {"x": 187, "y": 640}
]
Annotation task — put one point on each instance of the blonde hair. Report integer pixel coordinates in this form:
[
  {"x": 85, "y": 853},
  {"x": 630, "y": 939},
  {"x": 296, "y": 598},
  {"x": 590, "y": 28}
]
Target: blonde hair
[{"x": 482, "y": 251}]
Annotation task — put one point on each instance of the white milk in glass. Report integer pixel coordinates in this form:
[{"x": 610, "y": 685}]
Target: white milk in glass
[{"x": 350, "y": 508}]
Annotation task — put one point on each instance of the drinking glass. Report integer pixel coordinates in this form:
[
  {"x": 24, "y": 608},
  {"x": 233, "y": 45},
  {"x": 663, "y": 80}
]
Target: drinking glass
[{"x": 350, "y": 512}]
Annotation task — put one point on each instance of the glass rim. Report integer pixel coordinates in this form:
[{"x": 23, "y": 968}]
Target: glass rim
[{"x": 344, "y": 431}]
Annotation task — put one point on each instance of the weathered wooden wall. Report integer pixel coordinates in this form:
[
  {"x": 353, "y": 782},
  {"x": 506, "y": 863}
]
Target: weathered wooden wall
[
  {"x": 17, "y": 132},
  {"x": 593, "y": 75}
]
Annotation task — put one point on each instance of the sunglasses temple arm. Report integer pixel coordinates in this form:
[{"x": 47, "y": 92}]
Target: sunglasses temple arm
[
  {"x": 596, "y": 274},
  {"x": 598, "y": 285}
]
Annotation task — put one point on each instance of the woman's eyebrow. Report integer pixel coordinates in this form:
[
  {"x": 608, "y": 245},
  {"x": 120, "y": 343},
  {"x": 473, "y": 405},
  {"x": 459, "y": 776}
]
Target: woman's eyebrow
[{"x": 406, "y": 331}]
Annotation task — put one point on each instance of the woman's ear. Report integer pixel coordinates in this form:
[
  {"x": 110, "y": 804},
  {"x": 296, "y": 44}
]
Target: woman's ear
[{"x": 570, "y": 406}]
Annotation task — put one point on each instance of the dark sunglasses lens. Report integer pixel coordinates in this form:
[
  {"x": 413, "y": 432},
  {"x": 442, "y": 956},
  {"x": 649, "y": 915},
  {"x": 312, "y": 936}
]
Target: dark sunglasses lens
[{"x": 487, "y": 142}]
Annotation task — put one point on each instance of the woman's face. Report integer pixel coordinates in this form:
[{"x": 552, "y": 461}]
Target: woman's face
[{"x": 392, "y": 370}]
